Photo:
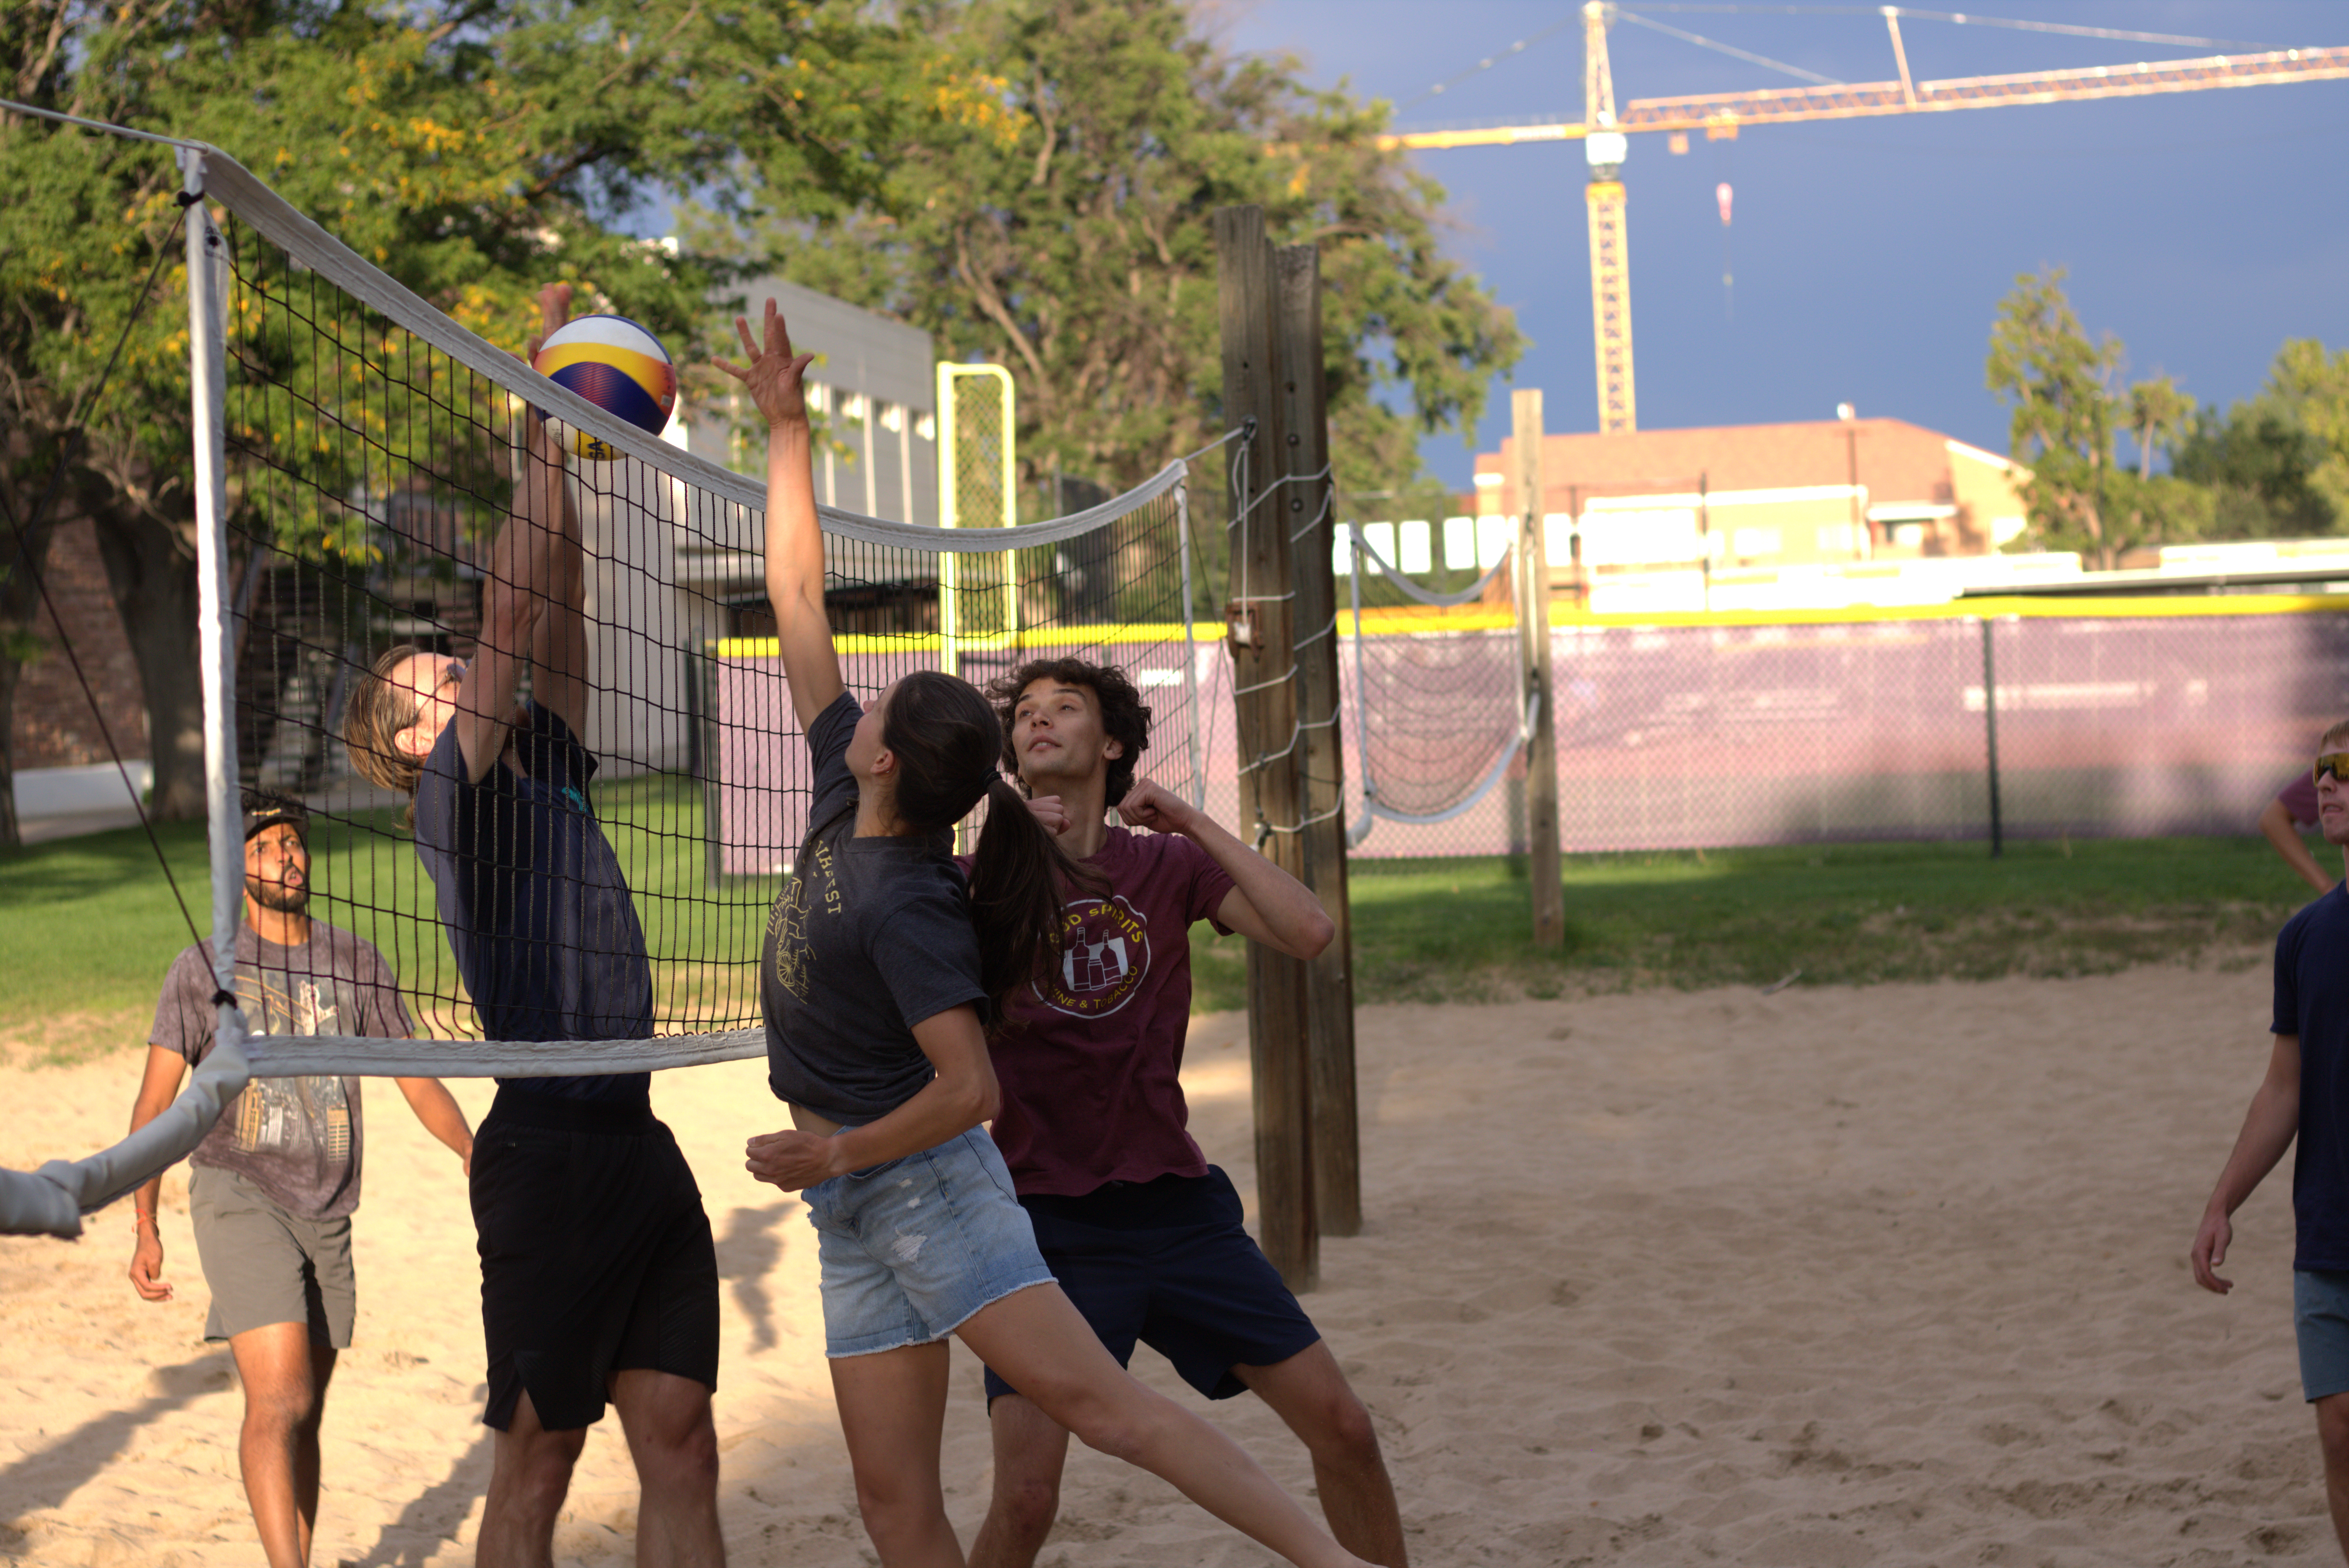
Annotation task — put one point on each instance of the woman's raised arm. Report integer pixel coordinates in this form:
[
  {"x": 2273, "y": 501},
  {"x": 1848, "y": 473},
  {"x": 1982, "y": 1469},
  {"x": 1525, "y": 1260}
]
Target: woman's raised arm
[{"x": 794, "y": 543}]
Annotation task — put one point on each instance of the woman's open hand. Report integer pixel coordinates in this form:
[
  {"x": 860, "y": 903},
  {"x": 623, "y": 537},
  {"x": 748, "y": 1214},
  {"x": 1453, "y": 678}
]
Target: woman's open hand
[{"x": 773, "y": 375}]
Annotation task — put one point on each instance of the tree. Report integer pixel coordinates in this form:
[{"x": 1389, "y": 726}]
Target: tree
[
  {"x": 2066, "y": 425},
  {"x": 468, "y": 150},
  {"x": 2313, "y": 386},
  {"x": 1065, "y": 235},
  {"x": 2279, "y": 463}
]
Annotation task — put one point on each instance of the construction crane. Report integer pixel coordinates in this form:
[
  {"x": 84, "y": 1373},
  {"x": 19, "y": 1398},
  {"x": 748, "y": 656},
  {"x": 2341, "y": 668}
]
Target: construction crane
[{"x": 1605, "y": 136}]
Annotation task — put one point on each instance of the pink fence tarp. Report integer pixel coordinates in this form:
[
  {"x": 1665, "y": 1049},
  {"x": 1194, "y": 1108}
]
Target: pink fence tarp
[{"x": 1714, "y": 735}]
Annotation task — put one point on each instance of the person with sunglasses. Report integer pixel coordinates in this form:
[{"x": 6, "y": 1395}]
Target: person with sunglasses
[
  {"x": 599, "y": 1279},
  {"x": 2301, "y": 1099},
  {"x": 2282, "y": 824}
]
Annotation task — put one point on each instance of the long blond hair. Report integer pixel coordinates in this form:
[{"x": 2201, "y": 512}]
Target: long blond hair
[{"x": 381, "y": 710}]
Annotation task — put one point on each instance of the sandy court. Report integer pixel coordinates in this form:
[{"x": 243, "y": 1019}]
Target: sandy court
[{"x": 1892, "y": 1275}]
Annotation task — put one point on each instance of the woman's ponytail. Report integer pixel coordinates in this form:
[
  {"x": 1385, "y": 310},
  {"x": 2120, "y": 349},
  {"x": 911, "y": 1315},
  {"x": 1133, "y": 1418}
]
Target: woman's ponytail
[
  {"x": 1019, "y": 878},
  {"x": 946, "y": 739}
]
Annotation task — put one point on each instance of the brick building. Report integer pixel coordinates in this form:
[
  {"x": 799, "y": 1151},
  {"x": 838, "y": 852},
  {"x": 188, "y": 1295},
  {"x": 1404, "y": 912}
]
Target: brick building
[
  {"x": 1761, "y": 496},
  {"x": 54, "y": 726}
]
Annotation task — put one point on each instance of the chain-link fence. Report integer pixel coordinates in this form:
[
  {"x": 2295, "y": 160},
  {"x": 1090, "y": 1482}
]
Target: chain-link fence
[{"x": 2182, "y": 719}]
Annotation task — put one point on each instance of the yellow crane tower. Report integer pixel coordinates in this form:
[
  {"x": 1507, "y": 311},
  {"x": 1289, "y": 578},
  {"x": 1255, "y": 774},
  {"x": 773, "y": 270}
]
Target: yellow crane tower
[{"x": 1605, "y": 136}]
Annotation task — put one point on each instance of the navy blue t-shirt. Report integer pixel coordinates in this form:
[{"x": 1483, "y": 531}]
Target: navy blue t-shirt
[
  {"x": 2311, "y": 1000},
  {"x": 534, "y": 903}
]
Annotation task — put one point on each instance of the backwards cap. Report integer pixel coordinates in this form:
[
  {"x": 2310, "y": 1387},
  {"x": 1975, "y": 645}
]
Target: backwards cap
[{"x": 266, "y": 808}]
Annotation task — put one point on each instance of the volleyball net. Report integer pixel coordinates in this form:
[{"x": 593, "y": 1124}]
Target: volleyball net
[
  {"x": 357, "y": 460},
  {"x": 1436, "y": 707},
  {"x": 371, "y": 448}
]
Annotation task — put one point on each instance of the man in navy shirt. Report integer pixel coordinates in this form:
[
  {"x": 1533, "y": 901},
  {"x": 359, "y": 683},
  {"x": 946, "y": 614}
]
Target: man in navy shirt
[
  {"x": 598, "y": 1276},
  {"x": 2301, "y": 1097}
]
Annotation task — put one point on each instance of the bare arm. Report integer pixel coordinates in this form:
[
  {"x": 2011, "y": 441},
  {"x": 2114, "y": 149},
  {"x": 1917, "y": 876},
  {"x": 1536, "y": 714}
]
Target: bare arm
[
  {"x": 156, "y": 1089},
  {"x": 2268, "y": 1128},
  {"x": 794, "y": 542},
  {"x": 558, "y": 646},
  {"x": 1266, "y": 903},
  {"x": 530, "y": 601},
  {"x": 438, "y": 1109},
  {"x": 963, "y": 1094},
  {"x": 2277, "y": 824}
]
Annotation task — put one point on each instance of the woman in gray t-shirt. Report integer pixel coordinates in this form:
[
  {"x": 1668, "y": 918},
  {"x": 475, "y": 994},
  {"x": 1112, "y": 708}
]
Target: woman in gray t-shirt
[{"x": 880, "y": 966}]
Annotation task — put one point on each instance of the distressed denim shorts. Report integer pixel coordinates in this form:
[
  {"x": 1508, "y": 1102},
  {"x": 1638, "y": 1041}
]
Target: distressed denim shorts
[{"x": 911, "y": 1248}]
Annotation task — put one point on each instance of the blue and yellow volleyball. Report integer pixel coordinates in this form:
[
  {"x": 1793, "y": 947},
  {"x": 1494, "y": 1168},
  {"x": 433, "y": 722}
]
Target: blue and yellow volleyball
[{"x": 614, "y": 364}]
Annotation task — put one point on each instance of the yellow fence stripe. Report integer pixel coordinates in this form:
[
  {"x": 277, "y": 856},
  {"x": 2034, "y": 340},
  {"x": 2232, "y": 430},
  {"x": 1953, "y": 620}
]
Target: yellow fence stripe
[{"x": 1412, "y": 621}]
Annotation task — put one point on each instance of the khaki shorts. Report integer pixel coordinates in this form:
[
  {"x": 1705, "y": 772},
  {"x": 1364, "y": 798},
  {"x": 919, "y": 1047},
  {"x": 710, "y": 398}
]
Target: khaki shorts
[{"x": 264, "y": 1266}]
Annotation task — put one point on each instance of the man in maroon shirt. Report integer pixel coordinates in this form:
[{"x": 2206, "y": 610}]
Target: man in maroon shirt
[{"x": 1143, "y": 1234}]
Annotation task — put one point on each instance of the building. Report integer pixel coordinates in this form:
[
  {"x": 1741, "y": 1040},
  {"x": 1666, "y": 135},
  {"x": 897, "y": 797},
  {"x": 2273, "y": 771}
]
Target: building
[
  {"x": 872, "y": 393},
  {"x": 873, "y": 390},
  {"x": 1745, "y": 516}
]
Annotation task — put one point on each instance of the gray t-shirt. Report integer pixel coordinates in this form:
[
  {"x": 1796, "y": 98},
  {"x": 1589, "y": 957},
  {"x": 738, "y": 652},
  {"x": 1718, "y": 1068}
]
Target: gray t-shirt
[
  {"x": 870, "y": 937},
  {"x": 296, "y": 1138}
]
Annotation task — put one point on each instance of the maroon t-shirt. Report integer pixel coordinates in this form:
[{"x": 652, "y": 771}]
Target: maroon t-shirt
[
  {"x": 2299, "y": 799},
  {"x": 1091, "y": 1062}
]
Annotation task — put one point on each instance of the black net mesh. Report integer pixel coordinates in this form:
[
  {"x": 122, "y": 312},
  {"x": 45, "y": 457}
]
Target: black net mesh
[{"x": 369, "y": 474}]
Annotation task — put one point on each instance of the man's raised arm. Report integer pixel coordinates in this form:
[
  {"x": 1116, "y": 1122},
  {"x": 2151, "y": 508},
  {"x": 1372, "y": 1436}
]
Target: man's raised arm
[
  {"x": 530, "y": 600},
  {"x": 558, "y": 644},
  {"x": 1266, "y": 903}
]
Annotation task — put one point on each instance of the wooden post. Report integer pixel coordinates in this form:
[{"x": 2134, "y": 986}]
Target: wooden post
[
  {"x": 1261, "y": 629},
  {"x": 1533, "y": 632},
  {"x": 1307, "y": 506}
]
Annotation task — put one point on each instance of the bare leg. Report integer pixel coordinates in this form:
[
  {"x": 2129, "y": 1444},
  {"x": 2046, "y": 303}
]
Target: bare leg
[
  {"x": 1310, "y": 1393},
  {"x": 1041, "y": 1346},
  {"x": 675, "y": 1445},
  {"x": 892, "y": 1411},
  {"x": 530, "y": 1475},
  {"x": 2332, "y": 1432},
  {"x": 284, "y": 1378},
  {"x": 1031, "y": 1448}
]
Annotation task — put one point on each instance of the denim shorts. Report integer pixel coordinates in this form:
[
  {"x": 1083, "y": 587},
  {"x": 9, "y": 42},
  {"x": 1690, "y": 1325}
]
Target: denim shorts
[
  {"x": 2320, "y": 1319},
  {"x": 912, "y": 1247}
]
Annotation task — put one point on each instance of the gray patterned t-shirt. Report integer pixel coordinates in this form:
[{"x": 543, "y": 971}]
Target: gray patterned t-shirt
[{"x": 296, "y": 1139}]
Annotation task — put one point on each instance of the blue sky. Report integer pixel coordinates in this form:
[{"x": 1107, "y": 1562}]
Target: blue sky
[{"x": 2202, "y": 229}]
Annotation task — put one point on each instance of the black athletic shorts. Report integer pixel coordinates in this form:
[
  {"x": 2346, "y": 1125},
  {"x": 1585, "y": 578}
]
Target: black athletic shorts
[
  {"x": 1169, "y": 1263},
  {"x": 596, "y": 1255}
]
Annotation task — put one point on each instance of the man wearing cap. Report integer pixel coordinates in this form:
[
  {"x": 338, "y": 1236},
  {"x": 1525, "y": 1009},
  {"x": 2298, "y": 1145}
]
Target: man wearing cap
[{"x": 274, "y": 1183}]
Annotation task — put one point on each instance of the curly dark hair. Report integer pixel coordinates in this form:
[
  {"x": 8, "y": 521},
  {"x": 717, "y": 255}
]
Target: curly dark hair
[{"x": 1125, "y": 718}]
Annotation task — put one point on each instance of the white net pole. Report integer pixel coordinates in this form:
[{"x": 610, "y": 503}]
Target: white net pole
[
  {"x": 52, "y": 1200},
  {"x": 1190, "y": 650},
  {"x": 216, "y": 652}
]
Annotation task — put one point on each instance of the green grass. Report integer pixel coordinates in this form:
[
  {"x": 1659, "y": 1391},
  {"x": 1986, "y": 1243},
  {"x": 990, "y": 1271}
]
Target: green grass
[
  {"x": 1460, "y": 930},
  {"x": 88, "y": 925}
]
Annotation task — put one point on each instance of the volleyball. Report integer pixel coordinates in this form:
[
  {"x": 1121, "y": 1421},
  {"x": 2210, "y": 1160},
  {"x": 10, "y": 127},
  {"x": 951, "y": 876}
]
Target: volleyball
[{"x": 614, "y": 364}]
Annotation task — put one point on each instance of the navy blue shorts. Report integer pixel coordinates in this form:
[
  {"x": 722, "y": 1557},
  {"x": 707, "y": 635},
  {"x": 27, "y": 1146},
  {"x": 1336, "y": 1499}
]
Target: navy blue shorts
[{"x": 1168, "y": 1263}]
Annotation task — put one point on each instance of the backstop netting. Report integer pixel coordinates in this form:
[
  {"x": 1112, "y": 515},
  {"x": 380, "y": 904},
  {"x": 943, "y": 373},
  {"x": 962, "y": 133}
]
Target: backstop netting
[
  {"x": 1432, "y": 676},
  {"x": 371, "y": 450}
]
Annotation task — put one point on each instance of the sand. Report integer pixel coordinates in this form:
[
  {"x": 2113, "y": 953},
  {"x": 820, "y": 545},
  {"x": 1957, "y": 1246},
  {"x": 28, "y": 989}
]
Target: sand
[{"x": 1880, "y": 1276}]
